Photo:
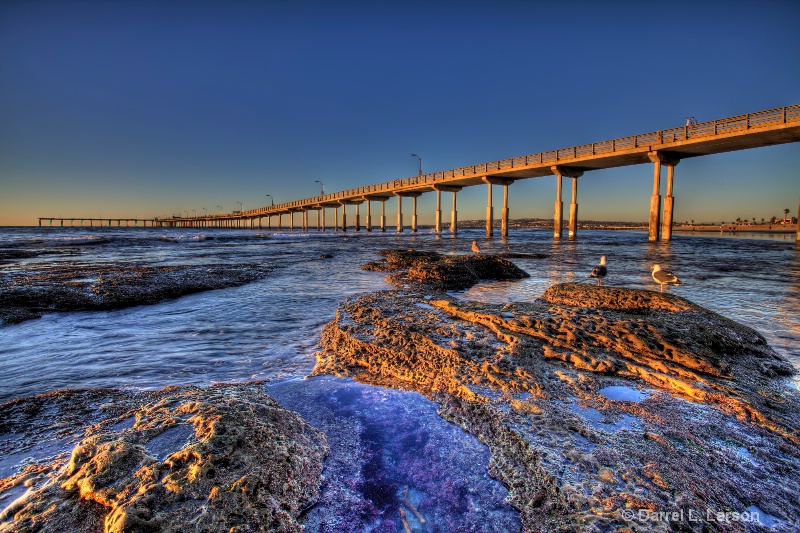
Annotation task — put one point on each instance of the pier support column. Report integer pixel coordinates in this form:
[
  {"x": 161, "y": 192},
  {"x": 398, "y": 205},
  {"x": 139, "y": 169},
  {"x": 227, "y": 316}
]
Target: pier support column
[
  {"x": 344, "y": 217},
  {"x": 489, "y": 210},
  {"x": 658, "y": 158},
  {"x": 369, "y": 216},
  {"x": 305, "y": 220},
  {"x": 413, "y": 195},
  {"x": 358, "y": 218},
  {"x": 323, "y": 218},
  {"x": 335, "y": 219},
  {"x": 399, "y": 214},
  {"x": 438, "y": 226},
  {"x": 669, "y": 204},
  {"x": 280, "y": 221},
  {"x": 655, "y": 203},
  {"x": 414, "y": 216},
  {"x": 291, "y": 220},
  {"x": 318, "y": 226},
  {"x": 504, "y": 214},
  {"x": 383, "y": 215},
  {"x": 558, "y": 215},
  {"x": 505, "y": 182},
  {"x": 573, "y": 211},
  {"x": 454, "y": 215}
]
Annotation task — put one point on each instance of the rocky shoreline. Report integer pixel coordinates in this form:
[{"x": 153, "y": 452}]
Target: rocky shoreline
[
  {"x": 603, "y": 409},
  {"x": 225, "y": 458},
  {"x": 707, "y": 423},
  {"x": 78, "y": 287}
]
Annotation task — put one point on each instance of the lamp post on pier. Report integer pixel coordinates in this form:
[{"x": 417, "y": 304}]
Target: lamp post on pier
[
  {"x": 272, "y": 202},
  {"x": 420, "y": 163},
  {"x": 321, "y": 188}
]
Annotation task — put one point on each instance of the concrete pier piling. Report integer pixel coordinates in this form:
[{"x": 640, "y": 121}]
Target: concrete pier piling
[
  {"x": 489, "y": 209},
  {"x": 438, "y": 221},
  {"x": 504, "y": 214},
  {"x": 572, "y": 229},
  {"x": 454, "y": 212},
  {"x": 399, "y": 214},
  {"x": 454, "y": 215},
  {"x": 414, "y": 215},
  {"x": 655, "y": 227},
  {"x": 669, "y": 204},
  {"x": 558, "y": 215}
]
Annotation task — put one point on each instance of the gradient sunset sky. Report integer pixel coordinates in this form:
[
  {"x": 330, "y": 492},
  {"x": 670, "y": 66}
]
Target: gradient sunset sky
[{"x": 142, "y": 109}]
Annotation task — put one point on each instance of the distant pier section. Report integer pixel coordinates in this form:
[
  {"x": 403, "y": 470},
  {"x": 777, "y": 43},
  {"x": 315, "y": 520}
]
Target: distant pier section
[{"x": 663, "y": 148}]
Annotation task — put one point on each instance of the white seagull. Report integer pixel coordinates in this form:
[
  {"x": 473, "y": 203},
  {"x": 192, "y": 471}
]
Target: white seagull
[
  {"x": 475, "y": 247},
  {"x": 600, "y": 271},
  {"x": 664, "y": 277}
]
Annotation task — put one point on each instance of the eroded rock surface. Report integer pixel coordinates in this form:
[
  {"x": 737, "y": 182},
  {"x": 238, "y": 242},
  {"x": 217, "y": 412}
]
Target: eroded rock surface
[
  {"x": 226, "y": 458},
  {"x": 67, "y": 286},
  {"x": 709, "y": 426},
  {"x": 442, "y": 272}
]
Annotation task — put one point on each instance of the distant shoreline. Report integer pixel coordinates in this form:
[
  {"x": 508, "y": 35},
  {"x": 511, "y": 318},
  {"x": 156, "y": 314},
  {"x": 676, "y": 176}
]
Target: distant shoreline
[{"x": 740, "y": 228}]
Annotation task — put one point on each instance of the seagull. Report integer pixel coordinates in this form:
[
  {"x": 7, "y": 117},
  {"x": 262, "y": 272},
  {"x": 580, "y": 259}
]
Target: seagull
[
  {"x": 664, "y": 277},
  {"x": 475, "y": 247},
  {"x": 600, "y": 271}
]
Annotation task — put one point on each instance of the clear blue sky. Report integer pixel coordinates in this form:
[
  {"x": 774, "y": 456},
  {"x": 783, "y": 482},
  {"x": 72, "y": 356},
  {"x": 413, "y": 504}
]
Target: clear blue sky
[{"x": 140, "y": 109}]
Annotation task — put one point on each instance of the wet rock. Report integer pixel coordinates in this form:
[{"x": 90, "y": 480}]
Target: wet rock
[
  {"x": 711, "y": 424},
  {"x": 29, "y": 294},
  {"x": 435, "y": 271},
  {"x": 226, "y": 458}
]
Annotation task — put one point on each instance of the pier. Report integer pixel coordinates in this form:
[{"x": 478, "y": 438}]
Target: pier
[{"x": 664, "y": 149}]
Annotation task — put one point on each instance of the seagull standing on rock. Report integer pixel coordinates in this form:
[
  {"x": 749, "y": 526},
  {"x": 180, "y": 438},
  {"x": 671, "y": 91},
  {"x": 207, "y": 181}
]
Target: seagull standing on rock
[
  {"x": 600, "y": 271},
  {"x": 475, "y": 247},
  {"x": 664, "y": 277}
]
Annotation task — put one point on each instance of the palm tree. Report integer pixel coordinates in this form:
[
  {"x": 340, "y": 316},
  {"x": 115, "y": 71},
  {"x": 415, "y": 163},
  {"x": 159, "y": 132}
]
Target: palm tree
[{"x": 785, "y": 213}]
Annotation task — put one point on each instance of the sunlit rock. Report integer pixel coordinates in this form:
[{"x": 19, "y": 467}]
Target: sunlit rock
[
  {"x": 713, "y": 429},
  {"x": 226, "y": 458}
]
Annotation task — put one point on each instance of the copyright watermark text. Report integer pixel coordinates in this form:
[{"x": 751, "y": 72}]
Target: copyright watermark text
[{"x": 691, "y": 515}]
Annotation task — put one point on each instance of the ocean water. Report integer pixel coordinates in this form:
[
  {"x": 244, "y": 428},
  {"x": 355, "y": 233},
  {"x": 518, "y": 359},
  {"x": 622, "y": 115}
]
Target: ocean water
[{"x": 268, "y": 329}]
